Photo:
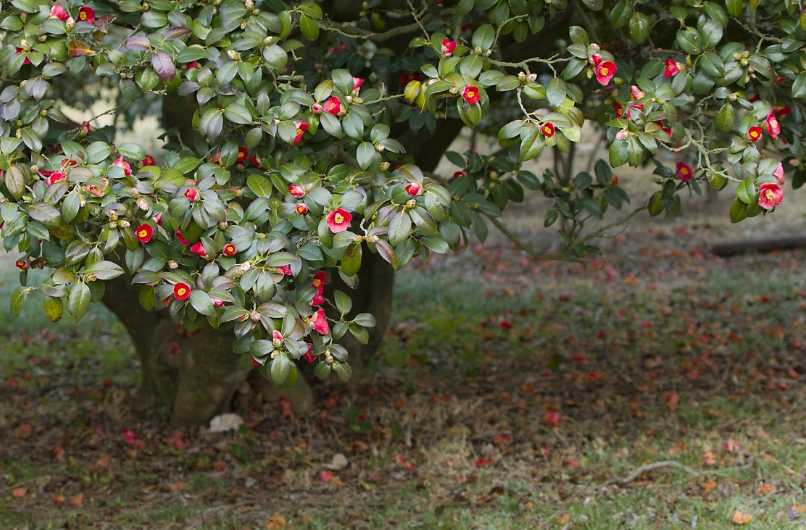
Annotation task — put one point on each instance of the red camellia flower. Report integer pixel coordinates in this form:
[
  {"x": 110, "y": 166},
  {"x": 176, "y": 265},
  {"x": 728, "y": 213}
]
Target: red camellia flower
[
  {"x": 157, "y": 218},
  {"x": 57, "y": 11},
  {"x": 181, "y": 291},
  {"x": 332, "y": 105},
  {"x": 779, "y": 173},
  {"x": 285, "y": 269},
  {"x": 301, "y": 128},
  {"x": 144, "y": 233},
  {"x": 595, "y": 59},
  {"x": 198, "y": 249},
  {"x": 781, "y": 111},
  {"x": 55, "y": 177},
  {"x": 296, "y": 191},
  {"x": 672, "y": 68},
  {"x": 181, "y": 238},
  {"x": 22, "y": 264},
  {"x": 357, "y": 82},
  {"x": 243, "y": 154},
  {"x": 471, "y": 95},
  {"x": 319, "y": 280},
  {"x": 255, "y": 162},
  {"x": 191, "y": 194},
  {"x": 86, "y": 14},
  {"x": 684, "y": 171},
  {"x": 339, "y": 220},
  {"x": 547, "y": 129},
  {"x": 310, "y": 357},
  {"x": 773, "y": 127},
  {"x": 191, "y": 65},
  {"x": 771, "y": 195},
  {"x": 229, "y": 250},
  {"x": 26, "y": 60},
  {"x": 754, "y": 133},
  {"x": 448, "y": 46},
  {"x": 84, "y": 129},
  {"x": 319, "y": 322},
  {"x": 459, "y": 174},
  {"x": 414, "y": 189},
  {"x": 148, "y": 161},
  {"x": 318, "y": 299},
  {"x": 405, "y": 79},
  {"x": 302, "y": 209},
  {"x": 122, "y": 164},
  {"x": 605, "y": 72},
  {"x": 618, "y": 110}
]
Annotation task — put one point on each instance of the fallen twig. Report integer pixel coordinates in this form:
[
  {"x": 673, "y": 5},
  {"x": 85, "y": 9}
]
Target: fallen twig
[{"x": 671, "y": 463}]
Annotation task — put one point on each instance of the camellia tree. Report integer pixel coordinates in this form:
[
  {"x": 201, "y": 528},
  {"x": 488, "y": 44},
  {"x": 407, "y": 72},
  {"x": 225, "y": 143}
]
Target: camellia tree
[{"x": 301, "y": 143}]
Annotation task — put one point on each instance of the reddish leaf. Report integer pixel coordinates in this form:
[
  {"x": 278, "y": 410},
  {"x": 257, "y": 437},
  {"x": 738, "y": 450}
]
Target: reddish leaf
[
  {"x": 163, "y": 66},
  {"x": 176, "y": 33},
  {"x": 76, "y": 48},
  {"x": 138, "y": 43}
]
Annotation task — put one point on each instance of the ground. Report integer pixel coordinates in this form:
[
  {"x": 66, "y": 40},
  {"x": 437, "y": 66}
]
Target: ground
[{"x": 510, "y": 394}]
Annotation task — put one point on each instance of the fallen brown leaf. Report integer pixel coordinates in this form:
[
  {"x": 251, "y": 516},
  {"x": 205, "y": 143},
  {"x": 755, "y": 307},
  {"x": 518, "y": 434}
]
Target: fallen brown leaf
[
  {"x": 58, "y": 499},
  {"x": 78, "y": 500},
  {"x": 741, "y": 518},
  {"x": 19, "y": 493},
  {"x": 765, "y": 489}
]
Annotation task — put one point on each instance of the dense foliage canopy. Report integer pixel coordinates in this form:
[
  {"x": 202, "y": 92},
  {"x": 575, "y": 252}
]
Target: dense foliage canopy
[{"x": 297, "y": 169}]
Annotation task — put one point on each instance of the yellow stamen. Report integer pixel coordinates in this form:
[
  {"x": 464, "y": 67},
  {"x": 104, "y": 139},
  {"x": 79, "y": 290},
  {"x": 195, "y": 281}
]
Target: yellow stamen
[
  {"x": 339, "y": 218},
  {"x": 604, "y": 71}
]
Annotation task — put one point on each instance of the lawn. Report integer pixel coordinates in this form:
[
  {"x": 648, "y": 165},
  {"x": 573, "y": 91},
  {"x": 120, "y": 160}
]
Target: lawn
[{"x": 661, "y": 388}]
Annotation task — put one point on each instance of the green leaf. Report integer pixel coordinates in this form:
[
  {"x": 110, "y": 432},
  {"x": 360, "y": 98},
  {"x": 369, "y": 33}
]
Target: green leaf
[
  {"x": 15, "y": 181},
  {"x": 556, "y": 91},
  {"x": 399, "y": 228},
  {"x": 308, "y": 27},
  {"x": 738, "y": 211},
  {"x": 343, "y": 302},
  {"x": 18, "y": 298},
  {"x": 259, "y": 185},
  {"x": 53, "y": 308},
  {"x": 238, "y": 114},
  {"x": 78, "y": 300},
  {"x": 104, "y": 270},
  {"x": 483, "y": 37},
  {"x": 351, "y": 261},
  {"x": 202, "y": 303},
  {"x": 365, "y": 155},
  {"x": 746, "y": 191},
  {"x": 343, "y": 370},
  {"x": 280, "y": 369},
  {"x": 639, "y": 28},
  {"x": 621, "y": 13},
  {"x": 726, "y": 118},
  {"x": 799, "y": 87},
  {"x": 618, "y": 153}
]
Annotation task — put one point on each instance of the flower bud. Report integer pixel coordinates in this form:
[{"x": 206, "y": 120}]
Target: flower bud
[
  {"x": 384, "y": 166},
  {"x": 222, "y": 225},
  {"x": 173, "y": 265},
  {"x": 124, "y": 224},
  {"x": 245, "y": 267},
  {"x": 411, "y": 203},
  {"x": 143, "y": 205},
  {"x": 255, "y": 316}
]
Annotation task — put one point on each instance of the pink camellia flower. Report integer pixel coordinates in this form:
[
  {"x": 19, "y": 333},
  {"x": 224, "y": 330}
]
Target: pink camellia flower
[
  {"x": 672, "y": 68},
  {"x": 157, "y": 218},
  {"x": 605, "y": 72},
  {"x": 301, "y": 128},
  {"x": 448, "y": 46},
  {"x": 198, "y": 249},
  {"x": 217, "y": 302},
  {"x": 192, "y": 194},
  {"x": 684, "y": 171},
  {"x": 773, "y": 127},
  {"x": 771, "y": 195},
  {"x": 302, "y": 208},
  {"x": 668, "y": 131},
  {"x": 22, "y": 264},
  {"x": 122, "y": 164},
  {"x": 622, "y": 135},
  {"x": 636, "y": 93},
  {"x": 332, "y": 105},
  {"x": 338, "y": 220},
  {"x": 285, "y": 269},
  {"x": 318, "y": 299},
  {"x": 753, "y": 134},
  {"x": 55, "y": 177},
  {"x": 276, "y": 338},
  {"x": 471, "y": 95},
  {"x": 317, "y": 108},
  {"x": 319, "y": 322},
  {"x": 86, "y": 14},
  {"x": 618, "y": 110},
  {"x": 296, "y": 191},
  {"x": 310, "y": 357},
  {"x": 57, "y": 11},
  {"x": 84, "y": 129},
  {"x": 148, "y": 161},
  {"x": 414, "y": 189},
  {"x": 779, "y": 173},
  {"x": 595, "y": 59},
  {"x": 357, "y": 82},
  {"x": 181, "y": 238},
  {"x": 191, "y": 65}
]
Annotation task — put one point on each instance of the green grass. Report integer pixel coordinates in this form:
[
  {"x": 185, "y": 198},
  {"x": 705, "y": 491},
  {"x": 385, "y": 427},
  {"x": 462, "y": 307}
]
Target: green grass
[{"x": 451, "y": 378}]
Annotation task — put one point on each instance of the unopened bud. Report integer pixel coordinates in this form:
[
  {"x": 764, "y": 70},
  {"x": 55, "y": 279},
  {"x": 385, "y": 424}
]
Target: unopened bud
[
  {"x": 222, "y": 225},
  {"x": 255, "y": 316},
  {"x": 411, "y": 203},
  {"x": 173, "y": 265},
  {"x": 143, "y": 205},
  {"x": 124, "y": 224},
  {"x": 384, "y": 166},
  {"x": 245, "y": 266}
]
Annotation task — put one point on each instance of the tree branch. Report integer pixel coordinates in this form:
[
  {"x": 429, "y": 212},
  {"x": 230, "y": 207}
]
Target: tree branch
[{"x": 360, "y": 33}]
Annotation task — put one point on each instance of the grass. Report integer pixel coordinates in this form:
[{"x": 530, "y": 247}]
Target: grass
[{"x": 658, "y": 361}]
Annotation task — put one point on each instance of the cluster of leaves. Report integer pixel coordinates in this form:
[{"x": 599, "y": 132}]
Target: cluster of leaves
[{"x": 294, "y": 170}]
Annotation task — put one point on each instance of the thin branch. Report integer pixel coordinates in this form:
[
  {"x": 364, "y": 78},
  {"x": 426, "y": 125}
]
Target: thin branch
[
  {"x": 360, "y": 33},
  {"x": 526, "y": 248},
  {"x": 600, "y": 232}
]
